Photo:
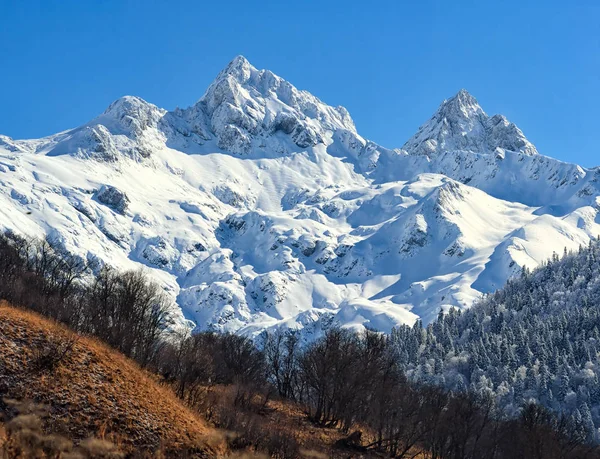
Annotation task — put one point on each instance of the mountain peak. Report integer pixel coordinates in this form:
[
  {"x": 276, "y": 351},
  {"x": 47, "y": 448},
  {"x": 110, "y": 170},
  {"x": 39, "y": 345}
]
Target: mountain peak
[
  {"x": 465, "y": 96},
  {"x": 239, "y": 68},
  {"x": 460, "y": 124},
  {"x": 246, "y": 109},
  {"x": 130, "y": 114},
  {"x": 127, "y": 104},
  {"x": 239, "y": 60},
  {"x": 462, "y": 105}
]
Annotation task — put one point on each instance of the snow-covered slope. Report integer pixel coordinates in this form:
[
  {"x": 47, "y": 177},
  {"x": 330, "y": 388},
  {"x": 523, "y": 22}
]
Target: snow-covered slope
[{"x": 261, "y": 206}]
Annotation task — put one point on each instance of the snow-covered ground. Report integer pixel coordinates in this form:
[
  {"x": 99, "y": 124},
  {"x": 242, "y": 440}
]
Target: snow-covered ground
[{"x": 260, "y": 206}]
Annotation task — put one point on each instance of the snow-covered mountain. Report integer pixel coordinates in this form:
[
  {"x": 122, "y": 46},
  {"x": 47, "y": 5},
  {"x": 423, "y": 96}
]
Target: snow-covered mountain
[{"x": 261, "y": 206}]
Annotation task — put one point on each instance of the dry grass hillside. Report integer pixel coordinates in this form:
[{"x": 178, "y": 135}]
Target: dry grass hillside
[
  {"x": 76, "y": 394},
  {"x": 89, "y": 390}
]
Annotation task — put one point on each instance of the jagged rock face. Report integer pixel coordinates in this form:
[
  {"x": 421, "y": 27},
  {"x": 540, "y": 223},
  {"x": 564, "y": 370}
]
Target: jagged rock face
[
  {"x": 243, "y": 112},
  {"x": 132, "y": 115},
  {"x": 94, "y": 142},
  {"x": 460, "y": 124},
  {"x": 127, "y": 129},
  {"x": 113, "y": 198},
  {"x": 245, "y": 108},
  {"x": 261, "y": 207}
]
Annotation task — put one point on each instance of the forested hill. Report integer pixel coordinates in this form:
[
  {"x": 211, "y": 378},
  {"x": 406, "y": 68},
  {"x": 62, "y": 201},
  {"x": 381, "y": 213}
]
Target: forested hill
[{"x": 536, "y": 339}]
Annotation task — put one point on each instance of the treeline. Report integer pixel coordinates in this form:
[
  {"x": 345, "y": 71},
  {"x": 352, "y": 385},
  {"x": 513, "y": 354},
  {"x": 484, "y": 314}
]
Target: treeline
[
  {"x": 124, "y": 309},
  {"x": 356, "y": 383},
  {"x": 347, "y": 380},
  {"x": 537, "y": 339}
]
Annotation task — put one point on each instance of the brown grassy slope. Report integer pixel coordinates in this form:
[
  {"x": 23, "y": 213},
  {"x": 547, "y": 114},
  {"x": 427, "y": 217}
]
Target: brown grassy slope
[
  {"x": 93, "y": 390},
  {"x": 284, "y": 418}
]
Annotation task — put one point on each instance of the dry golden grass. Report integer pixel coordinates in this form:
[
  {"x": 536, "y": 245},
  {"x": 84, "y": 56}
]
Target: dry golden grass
[
  {"x": 94, "y": 391},
  {"x": 289, "y": 418},
  {"x": 317, "y": 442}
]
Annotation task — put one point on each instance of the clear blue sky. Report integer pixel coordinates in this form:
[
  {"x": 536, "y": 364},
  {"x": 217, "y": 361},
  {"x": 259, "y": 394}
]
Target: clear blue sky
[{"x": 389, "y": 62}]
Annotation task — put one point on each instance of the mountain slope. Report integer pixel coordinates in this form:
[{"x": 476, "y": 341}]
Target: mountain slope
[
  {"x": 261, "y": 206},
  {"x": 535, "y": 339},
  {"x": 92, "y": 390}
]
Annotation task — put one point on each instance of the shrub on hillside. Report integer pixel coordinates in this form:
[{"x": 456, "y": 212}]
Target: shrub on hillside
[{"x": 48, "y": 354}]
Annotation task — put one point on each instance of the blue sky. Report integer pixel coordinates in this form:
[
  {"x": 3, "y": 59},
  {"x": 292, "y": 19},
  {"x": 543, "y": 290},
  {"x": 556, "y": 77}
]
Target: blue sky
[{"x": 389, "y": 62}]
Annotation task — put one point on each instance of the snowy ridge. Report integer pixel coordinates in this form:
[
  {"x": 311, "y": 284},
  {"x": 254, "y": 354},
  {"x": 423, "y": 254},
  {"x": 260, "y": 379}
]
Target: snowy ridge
[
  {"x": 260, "y": 206},
  {"x": 246, "y": 111}
]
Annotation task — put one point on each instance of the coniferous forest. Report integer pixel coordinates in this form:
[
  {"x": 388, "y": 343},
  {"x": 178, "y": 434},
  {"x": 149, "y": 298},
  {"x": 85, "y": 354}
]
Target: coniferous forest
[{"x": 535, "y": 340}]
